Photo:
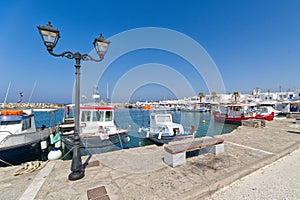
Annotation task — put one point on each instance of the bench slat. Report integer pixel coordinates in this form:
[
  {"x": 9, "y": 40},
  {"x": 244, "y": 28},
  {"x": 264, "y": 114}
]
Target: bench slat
[{"x": 189, "y": 146}]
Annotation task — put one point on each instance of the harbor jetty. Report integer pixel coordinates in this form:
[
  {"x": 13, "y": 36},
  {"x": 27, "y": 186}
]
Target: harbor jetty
[
  {"x": 31, "y": 105},
  {"x": 140, "y": 173}
]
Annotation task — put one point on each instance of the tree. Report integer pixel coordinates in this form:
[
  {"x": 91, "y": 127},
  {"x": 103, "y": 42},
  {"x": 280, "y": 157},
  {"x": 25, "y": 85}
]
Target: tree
[
  {"x": 213, "y": 95},
  {"x": 201, "y": 95},
  {"x": 235, "y": 95}
]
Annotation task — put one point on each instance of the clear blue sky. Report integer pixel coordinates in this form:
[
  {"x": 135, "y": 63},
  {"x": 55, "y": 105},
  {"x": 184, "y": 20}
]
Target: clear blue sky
[{"x": 254, "y": 43}]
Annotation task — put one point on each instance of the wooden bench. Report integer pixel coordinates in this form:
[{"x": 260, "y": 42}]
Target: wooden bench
[{"x": 175, "y": 154}]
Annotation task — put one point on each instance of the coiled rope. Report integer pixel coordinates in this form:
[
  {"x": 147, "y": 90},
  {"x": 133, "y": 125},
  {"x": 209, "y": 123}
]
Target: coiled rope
[{"x": 30, "y": 167}]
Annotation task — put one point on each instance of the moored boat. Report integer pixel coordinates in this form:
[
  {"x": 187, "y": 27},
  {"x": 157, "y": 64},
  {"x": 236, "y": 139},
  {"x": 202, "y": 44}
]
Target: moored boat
[
  {"x": 236, "y": 113},
  {"x": 163, "y": 130},
  {"x": 197, "y": 107},
  {"x": 98, "y": 132},
  {"x": 19, "y": 137}
]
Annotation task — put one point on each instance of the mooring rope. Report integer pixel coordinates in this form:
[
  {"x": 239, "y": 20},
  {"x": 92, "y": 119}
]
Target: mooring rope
[
  {"x": 120, "y": 141},
  {"x": 30, "y": 167},
  {"x": 67, "y": 153},
  {"x": 6, "y": 162}
]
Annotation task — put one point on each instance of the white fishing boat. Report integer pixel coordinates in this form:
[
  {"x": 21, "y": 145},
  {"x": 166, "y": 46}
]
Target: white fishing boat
[
  {"x": 198, "y": 107},
  {"x": 98, "y": 132},
  {"x": 164, "y": 108},
  {"x": 20, "y": 140},
  {"x": 265, "y": 110},
  {"x": 163, "y": 130}
]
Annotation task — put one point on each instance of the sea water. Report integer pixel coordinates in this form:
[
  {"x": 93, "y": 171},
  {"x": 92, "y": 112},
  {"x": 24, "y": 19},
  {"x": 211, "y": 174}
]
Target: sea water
[
  {"x": 133, "y": 119},
  {"x": 48, "y": 119}
]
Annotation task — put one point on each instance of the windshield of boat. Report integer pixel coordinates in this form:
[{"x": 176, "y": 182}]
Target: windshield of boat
[
  {"x": 98, "y": 116},
  {"x": 85, "y": 116},
  {"x": 164, "y": 118},
  {"x": 9, "y": 122},
  {"x": 5, "y": 124},
  {"x": 108, "y": 116}
]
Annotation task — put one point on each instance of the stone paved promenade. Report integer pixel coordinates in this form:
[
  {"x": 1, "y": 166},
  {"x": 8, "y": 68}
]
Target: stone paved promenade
[
  {"x": 141, "y": 173},
  {"x": 279, "y": 180}
]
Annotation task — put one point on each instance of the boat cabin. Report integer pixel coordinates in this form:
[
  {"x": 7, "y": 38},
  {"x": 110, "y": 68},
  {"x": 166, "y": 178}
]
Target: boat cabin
[
  {"x": 160, "y": 119},
  {"x": 237, "y": 111},
  {"x": 14, "y": 122},
  {"x": 164, "y": 122},
  {"x": 96, "y": 119}
]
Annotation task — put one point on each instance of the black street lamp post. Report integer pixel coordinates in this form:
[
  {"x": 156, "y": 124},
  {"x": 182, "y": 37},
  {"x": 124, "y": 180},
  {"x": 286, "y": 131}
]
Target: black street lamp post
[{"x": 50, "y": 37}]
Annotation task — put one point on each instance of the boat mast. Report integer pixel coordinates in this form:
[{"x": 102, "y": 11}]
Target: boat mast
[
  {"x": 7, "y": 92},
  {"x": 34, "y": 85}
]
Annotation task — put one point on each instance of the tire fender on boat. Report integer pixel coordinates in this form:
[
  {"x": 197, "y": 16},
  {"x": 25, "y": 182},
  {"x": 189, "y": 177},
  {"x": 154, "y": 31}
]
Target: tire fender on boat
[
  {"x": 159, "y": 135},
  {"x": 125, "y": 138},
  {"x": 44, "y": 145}
]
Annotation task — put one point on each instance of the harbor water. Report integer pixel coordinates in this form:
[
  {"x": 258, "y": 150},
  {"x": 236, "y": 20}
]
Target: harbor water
[{"x": 133, "y": 119}]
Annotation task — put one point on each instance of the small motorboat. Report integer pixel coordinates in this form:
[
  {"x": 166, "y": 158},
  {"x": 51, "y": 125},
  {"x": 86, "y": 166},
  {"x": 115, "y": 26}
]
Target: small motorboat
[{"x": 163, "y": 130}]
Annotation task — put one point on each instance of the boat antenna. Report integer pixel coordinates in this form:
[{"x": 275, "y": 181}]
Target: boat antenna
[
  {"x": 34, "y": 85},
  {"x": 7, "y": 92},
  {"x": 107, "y": 99}
]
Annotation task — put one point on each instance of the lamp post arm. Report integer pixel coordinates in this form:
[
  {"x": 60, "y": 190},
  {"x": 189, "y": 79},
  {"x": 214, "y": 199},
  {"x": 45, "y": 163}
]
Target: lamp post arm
[
  {"x": 67, "y": 54},
  {"x": 87, "y": 57},
  {"x": 71, "y": 55}
]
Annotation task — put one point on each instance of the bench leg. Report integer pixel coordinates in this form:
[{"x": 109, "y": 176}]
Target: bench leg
[
  {"x": 216, "y": 149},
  {"x": 174, "y": 159}
]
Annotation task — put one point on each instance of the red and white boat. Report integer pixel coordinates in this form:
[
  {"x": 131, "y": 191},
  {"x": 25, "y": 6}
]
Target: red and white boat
[{"x": 236, "y": 113}]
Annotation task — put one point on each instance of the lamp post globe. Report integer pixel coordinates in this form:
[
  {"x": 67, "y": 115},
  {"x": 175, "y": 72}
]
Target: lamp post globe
[
  {"x": 50, "y": 38},
  {"x": 101, "y": 46},
  {"x": 49, "y": 35}
]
